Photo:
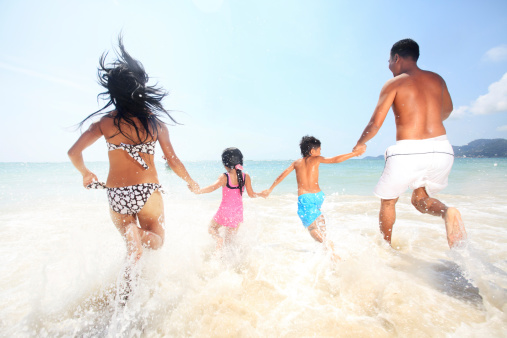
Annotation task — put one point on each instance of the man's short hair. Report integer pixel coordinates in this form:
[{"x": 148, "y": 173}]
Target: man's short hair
[
  {"x": 406, "y": 48},
  {"x": 307, "y": 144}
]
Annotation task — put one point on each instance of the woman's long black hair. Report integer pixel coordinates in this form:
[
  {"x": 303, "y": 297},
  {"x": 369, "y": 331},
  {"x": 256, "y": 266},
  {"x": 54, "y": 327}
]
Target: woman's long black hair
[
  {"x": 125, "y": 81},
  {"x": 231, "y": 157}
]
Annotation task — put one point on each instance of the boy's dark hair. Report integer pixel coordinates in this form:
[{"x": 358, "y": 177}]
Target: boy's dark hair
[
  {"x": 307, "y": 144},
  {"x": 406, "y": 47}
]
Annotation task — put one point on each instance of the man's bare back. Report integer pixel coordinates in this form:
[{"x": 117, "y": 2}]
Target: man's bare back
[{"x": 420, "y": 105}]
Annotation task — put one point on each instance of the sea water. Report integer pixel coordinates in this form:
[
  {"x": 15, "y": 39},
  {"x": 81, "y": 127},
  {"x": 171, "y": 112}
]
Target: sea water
[{"x": 61, "y": 259}]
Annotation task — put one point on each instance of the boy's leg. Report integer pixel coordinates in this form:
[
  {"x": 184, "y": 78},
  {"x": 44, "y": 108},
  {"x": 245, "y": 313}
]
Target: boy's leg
[
  {"x": 318, "y": 231},
  {"x": 151, "y": 220},
  {"x": 213, "y": 231},
  {"x": 453, "y": 223},
  {"x": 387, "y": 217}
]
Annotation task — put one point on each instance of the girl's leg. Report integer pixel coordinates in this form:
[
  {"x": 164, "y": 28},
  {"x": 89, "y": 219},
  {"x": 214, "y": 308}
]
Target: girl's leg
[
  {"x": 213, "y": 231},
  {"x": 151, "y": 220},
  {"x": 127, "y": 226},
  {"x": 230, "y": 234}
]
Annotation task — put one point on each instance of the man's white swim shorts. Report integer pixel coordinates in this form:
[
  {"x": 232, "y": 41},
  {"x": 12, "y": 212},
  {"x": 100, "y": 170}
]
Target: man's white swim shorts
[{"x": 414, "y": 164}]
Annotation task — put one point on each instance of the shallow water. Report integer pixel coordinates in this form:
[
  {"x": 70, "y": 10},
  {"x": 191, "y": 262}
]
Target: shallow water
[{"x": 62, "y": 260}]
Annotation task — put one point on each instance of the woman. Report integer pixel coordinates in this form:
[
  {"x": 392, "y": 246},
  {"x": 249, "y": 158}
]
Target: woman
[{"x": 131, "y": 131}]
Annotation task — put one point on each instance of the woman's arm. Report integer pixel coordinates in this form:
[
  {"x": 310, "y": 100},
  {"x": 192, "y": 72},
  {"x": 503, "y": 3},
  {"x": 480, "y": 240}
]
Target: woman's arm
[
  {"x": 75, "y": 153},
  {"x": 173, "y": 160},
  {"x": 221, "y": 181}
]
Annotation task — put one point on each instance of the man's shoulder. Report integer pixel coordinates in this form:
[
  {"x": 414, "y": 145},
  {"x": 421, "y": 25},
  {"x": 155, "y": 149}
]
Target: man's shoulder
[{"x": 395, "y": 82}]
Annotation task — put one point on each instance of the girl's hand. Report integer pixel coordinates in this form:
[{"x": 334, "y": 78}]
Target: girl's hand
[{"x": 89, "y": 178}]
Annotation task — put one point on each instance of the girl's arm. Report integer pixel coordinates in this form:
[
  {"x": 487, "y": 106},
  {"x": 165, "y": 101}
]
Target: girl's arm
[
  {"x": 279, "y": 179},
  {"x": 222, "y": 180},
  {"x": 173, "y": 160},
  {"x": 76, "y": 152},
  {"x": 249, "y": 189}
]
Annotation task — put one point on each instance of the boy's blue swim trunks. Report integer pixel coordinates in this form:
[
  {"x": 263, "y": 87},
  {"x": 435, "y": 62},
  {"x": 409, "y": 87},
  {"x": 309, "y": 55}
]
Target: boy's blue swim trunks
[{"x": 309, "y": 207}]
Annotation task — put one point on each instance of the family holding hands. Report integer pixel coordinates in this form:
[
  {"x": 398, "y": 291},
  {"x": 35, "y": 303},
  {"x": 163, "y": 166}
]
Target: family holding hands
[{"x": 421, "y": 159}]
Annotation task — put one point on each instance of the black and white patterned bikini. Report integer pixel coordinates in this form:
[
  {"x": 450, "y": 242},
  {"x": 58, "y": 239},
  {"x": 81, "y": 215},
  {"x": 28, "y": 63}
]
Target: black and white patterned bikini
[{"x": 130, "y": 200}]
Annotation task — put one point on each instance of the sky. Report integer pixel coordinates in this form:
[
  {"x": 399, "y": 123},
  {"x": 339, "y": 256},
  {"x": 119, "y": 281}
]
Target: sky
[{"x": 257, "y": 75}]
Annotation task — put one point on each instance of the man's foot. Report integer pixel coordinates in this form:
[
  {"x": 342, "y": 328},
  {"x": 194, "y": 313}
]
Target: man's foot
[{"x": 454, "y": 227}]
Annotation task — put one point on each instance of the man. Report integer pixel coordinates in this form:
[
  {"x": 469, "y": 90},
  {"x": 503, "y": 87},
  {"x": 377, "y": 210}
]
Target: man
[{"x": 422, "y": 157}]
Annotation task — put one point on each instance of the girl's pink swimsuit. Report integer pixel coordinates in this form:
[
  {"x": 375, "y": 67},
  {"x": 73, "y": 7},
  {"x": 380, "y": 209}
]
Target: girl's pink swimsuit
[{"x": 230, "y": 212}]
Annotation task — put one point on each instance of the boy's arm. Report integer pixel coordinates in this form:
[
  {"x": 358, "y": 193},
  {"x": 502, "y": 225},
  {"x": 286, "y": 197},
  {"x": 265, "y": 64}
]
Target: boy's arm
[
  {"x": 278, "y": 180},
  {"x": 249, "y": 189},
  {"x": 222, "y": 180},
  {"x": 341, "y": 158}
]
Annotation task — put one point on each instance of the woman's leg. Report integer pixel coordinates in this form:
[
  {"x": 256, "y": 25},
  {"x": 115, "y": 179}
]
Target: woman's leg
[
  {"x": 127, "y": 226},
  {"x": 151, "y": 220}
]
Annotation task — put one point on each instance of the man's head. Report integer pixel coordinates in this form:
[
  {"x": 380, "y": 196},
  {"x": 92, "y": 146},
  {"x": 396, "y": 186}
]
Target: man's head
[
  {"x": 403, "y": 56},
  {"x": 307, "y": 144},
  {"x": 406, "y": 48}
]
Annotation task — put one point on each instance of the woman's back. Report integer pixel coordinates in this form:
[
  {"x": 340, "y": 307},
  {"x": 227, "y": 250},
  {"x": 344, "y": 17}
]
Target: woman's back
[{"x": 131, "y": 156}]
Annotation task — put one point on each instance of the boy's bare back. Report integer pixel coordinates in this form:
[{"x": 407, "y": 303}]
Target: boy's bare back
[{"x": 307, "y": 174}]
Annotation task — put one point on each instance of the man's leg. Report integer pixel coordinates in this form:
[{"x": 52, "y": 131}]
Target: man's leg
[
  {"x": 387, "y": 217},
  {"x": 452, "y": 217}
]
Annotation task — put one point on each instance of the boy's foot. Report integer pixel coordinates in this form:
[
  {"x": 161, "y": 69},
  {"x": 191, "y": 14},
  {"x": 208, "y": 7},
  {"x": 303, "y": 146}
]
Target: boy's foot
[{"x": 454, "y": 227}]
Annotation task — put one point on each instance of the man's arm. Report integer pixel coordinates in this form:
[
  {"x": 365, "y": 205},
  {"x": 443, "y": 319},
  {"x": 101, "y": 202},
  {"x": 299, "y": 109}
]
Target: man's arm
[
  {"x": 447, "y": 102},
  {"x": 385, "y": 101}
]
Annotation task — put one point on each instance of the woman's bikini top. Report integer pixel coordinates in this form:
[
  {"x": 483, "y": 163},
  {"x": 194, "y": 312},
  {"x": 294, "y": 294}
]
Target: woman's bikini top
[{"x": 134, "y": 150}]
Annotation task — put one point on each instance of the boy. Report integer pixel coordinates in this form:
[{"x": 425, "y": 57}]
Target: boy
[{"x": 310, "y": 196}]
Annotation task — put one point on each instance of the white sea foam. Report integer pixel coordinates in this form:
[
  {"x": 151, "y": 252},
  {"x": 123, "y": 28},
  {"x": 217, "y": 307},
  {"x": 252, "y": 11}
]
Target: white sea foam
[{"x": 62, "y": 262}]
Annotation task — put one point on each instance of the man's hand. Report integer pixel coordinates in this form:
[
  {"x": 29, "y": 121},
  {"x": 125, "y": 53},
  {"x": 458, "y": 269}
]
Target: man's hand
[{"x": 359, "y": 149}]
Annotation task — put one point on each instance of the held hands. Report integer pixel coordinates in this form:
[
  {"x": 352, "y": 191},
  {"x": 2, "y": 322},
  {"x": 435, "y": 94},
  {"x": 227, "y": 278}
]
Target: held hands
[
  {"x": 359, "y": 149},
  {"x": 193, "y": 186},
  {"x": 264, "y": 193}
]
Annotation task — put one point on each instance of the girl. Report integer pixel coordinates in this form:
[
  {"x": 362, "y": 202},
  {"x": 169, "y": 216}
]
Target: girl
[
  {"x": 131, "y": 131},
  {"x": 233, "y": 183}
]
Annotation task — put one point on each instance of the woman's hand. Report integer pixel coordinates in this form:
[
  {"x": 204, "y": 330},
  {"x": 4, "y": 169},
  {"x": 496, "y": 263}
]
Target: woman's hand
[{"x": 89, "y": 178}]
